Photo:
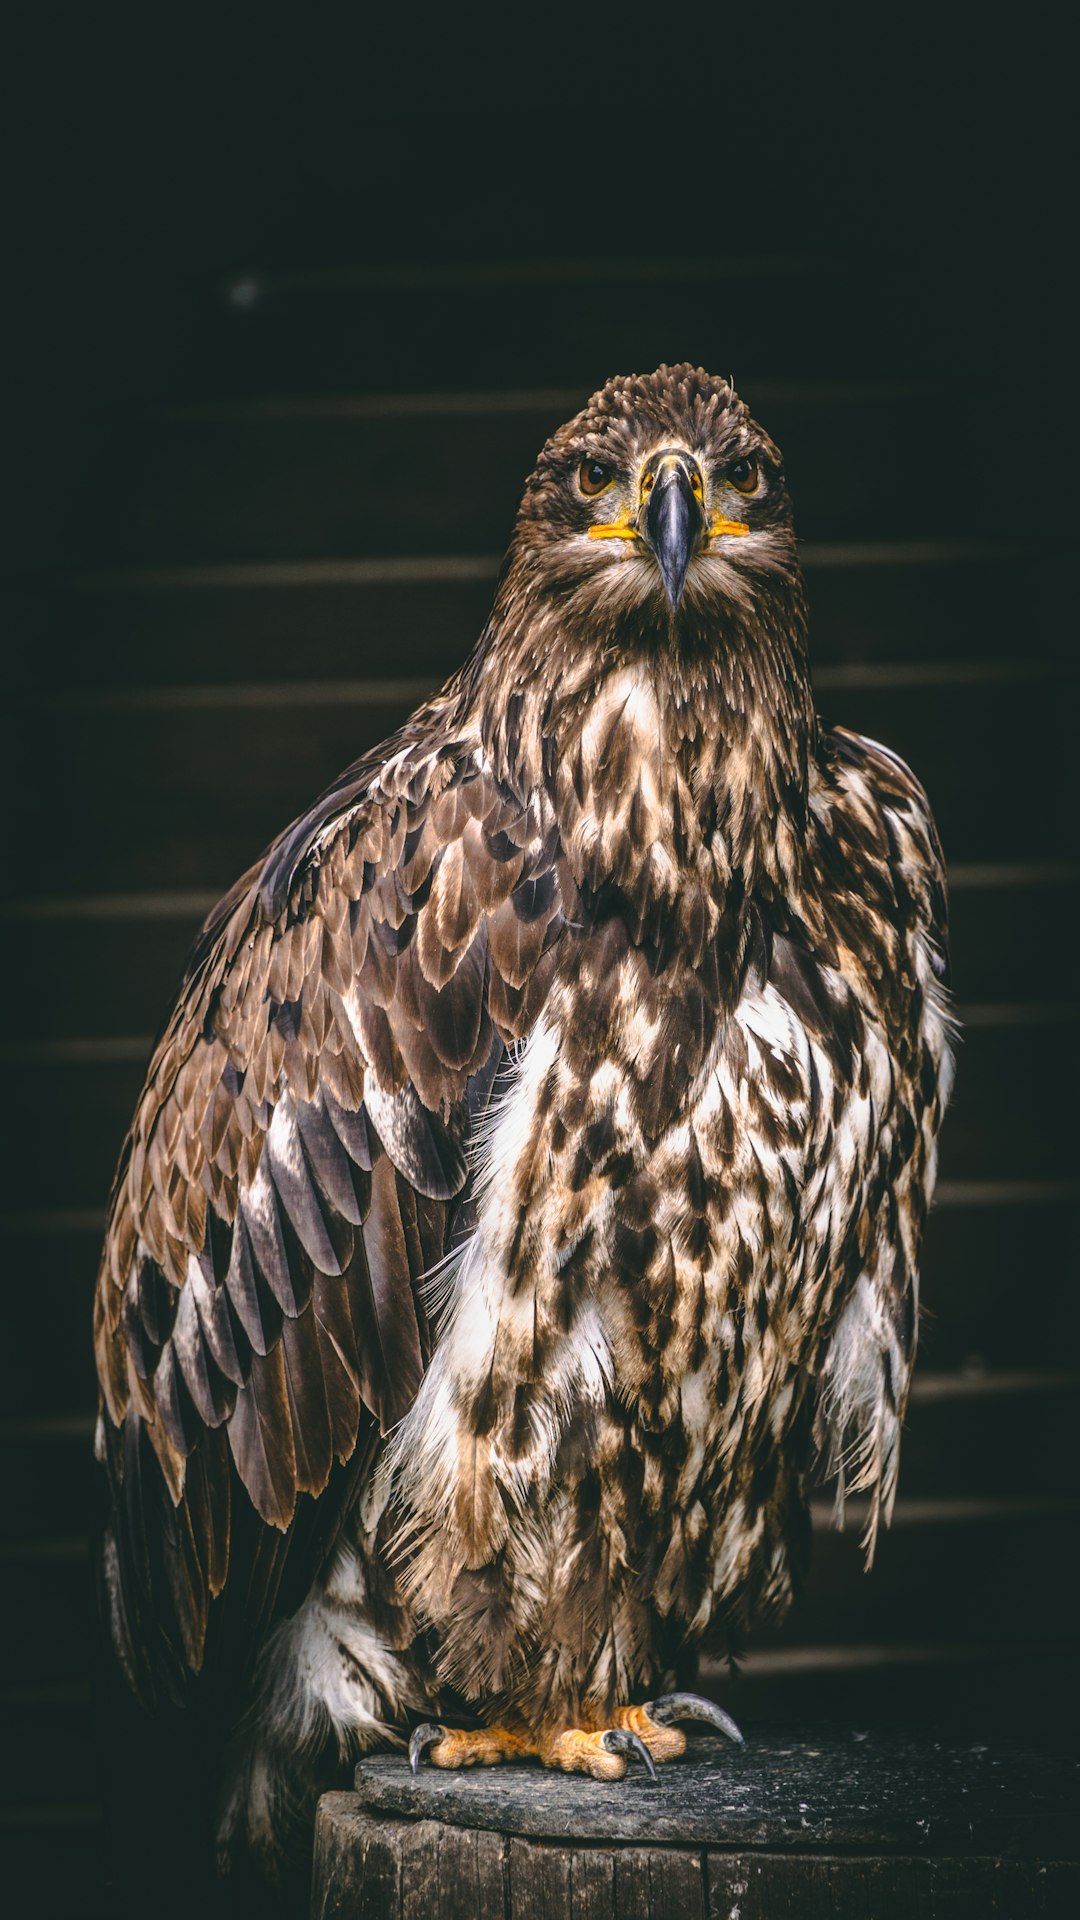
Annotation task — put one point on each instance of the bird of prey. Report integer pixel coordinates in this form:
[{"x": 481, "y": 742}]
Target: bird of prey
[{"x": 526, "y": 1192}]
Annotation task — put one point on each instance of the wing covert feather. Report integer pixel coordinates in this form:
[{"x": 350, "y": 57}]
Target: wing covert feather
[
  {"x": 296, "y": 1164},
  {"x": 888, "y": 904}
]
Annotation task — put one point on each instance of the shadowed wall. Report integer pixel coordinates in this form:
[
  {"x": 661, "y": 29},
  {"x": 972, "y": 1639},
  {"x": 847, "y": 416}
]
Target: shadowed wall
[{"x": 277, "y": 412}]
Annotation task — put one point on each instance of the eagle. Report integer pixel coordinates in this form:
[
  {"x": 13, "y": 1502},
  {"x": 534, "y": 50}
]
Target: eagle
[{"x": 524, "y": 1201}]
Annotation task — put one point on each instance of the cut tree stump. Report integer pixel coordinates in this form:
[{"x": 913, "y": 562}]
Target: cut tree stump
[{"x": 849, "y": 1826}]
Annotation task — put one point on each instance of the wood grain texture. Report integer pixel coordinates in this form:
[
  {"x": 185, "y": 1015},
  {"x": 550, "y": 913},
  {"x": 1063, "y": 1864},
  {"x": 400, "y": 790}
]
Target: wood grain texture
[
  {"x": 369, "y": 1868},
  {"x": 763, "y": 1886},
  {"x": 826, "y": 1791}
]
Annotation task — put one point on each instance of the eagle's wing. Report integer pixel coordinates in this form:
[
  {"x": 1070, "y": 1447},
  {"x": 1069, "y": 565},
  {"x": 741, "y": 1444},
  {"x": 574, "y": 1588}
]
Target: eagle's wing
[
  {"x": 295, "y": 1166},
  {"x": 889, "y": 930}
]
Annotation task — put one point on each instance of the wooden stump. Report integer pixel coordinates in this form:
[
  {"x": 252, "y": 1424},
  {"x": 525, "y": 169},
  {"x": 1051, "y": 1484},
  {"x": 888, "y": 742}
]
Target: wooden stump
[{"x": 851, "y": 1827}]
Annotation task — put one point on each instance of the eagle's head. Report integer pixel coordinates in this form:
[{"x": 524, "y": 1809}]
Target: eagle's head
[
  {"x": 661, "y": 504},
  {"x": 651, "y": 612}
]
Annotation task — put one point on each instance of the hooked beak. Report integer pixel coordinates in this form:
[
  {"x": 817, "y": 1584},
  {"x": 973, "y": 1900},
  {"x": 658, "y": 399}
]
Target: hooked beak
[{"x": 674, "y": 524}]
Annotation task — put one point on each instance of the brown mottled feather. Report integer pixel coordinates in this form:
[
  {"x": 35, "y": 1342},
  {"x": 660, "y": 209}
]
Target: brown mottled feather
[
  {"x": 620, "y": 832},
  {"x": 288, "y": 1304}
]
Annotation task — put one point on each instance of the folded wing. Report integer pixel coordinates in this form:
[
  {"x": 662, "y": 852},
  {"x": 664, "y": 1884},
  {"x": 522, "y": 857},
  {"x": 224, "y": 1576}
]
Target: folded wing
[{"x": 296, "y": 1165}]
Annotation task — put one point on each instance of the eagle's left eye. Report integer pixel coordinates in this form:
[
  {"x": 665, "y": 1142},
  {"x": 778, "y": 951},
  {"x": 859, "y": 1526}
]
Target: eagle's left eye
[
  {"x": 593, "y": 477},
  {"x": 743, "y": 473}
]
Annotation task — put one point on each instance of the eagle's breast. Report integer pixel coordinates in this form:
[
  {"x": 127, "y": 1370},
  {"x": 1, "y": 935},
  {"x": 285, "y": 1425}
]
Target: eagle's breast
[{"x": 633, "y": 1328}]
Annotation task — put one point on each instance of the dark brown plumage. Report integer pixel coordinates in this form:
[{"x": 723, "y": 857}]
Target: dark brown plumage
[{"x": 531, "y": 1174}]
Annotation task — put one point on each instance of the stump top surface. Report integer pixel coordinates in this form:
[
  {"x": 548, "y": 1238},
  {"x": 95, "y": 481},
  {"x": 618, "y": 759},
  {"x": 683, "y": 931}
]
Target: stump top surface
[{"x": 839, "y": 1790}]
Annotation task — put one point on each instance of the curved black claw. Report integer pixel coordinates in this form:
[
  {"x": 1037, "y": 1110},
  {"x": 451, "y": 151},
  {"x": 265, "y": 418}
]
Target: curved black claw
[
  {"x": 621, "y": 1740},
  {"x": 422, "y": 1737},
  {"x": 690, "y": 1706}
]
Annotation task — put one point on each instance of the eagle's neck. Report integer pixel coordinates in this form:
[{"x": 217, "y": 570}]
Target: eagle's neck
[{"x": 677, "y": 772}]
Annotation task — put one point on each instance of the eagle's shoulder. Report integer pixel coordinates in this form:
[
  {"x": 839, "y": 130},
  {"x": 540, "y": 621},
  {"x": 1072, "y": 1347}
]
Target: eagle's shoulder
[{"x": 874, "y": 835}]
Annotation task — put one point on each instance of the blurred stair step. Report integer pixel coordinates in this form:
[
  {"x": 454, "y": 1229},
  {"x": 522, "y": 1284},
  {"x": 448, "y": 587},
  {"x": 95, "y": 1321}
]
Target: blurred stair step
[
  {"x": 965, "y": 1439},
  {"x": 979, "y": 1259},
  {"x": 1008, "y": 1119},
  {"x": 899, "y": 600},
  {"x": 953, "y": 1571},
  {"x": 119, "y": 959},
  {"x": 493, "y": 323},
  {"x": 201, "y": 785},
  {"x": 58, "y": 1863},
  {"x": 300, "y": 481}
]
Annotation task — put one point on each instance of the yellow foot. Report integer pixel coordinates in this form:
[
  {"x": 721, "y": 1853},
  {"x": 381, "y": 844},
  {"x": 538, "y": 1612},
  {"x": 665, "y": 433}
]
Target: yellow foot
[
  {"x": 653, "y": 1723},
  {"x": 644, "y": 1733},
  {"x": 450, "y": 1747},
  {"x": 664, "y": 1743},
  {"x": 604, "y": 1754}
]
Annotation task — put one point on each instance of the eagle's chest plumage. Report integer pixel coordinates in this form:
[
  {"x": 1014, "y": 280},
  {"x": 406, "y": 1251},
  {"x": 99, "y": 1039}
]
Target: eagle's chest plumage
[
  {"x": 610, "y": 1448},
  {"x": 599, "y": 1455}
]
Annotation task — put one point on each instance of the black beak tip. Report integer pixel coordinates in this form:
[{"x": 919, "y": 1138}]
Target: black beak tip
[{"x": 674, "y": 579}]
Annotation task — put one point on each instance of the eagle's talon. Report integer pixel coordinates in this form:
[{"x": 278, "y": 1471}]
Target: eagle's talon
[
  {"x": 621, "y": 1740},
  {"x": 692, "y": 1706},
  {"x": 425, "y": 1736}
]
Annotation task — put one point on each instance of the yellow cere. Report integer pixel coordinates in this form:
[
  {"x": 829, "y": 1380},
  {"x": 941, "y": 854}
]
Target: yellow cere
[{"x": 620, "y": 530}]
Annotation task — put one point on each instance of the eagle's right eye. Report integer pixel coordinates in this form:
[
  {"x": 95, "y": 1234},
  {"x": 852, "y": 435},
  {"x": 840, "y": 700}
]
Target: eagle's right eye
[{"x": 593, "y": 477}]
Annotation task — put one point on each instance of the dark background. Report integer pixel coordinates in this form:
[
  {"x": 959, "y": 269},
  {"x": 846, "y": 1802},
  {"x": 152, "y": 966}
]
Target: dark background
[{"x": 290, "y": 312}]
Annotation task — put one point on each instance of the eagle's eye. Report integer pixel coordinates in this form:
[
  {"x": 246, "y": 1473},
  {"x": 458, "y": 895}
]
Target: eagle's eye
[
  {"x": 743, "y": 473},
  {"x": 593, "y": 477}
]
